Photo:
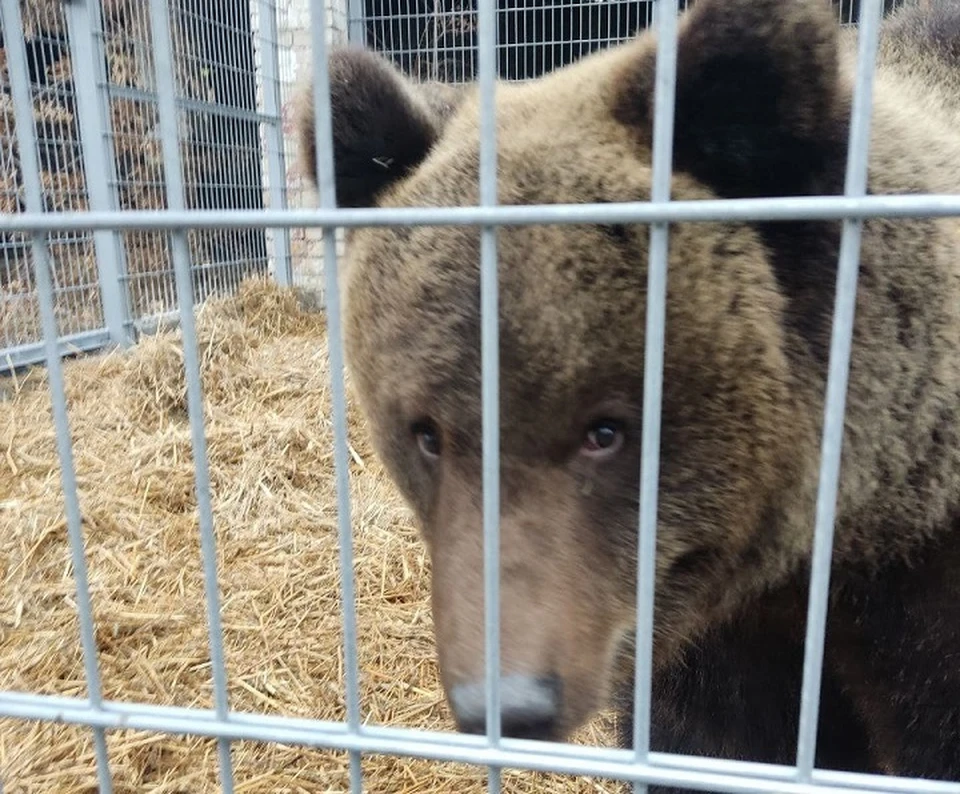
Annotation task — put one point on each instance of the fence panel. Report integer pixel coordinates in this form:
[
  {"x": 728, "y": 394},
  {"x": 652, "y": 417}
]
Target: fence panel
[
  {"x": 437, "y": 39},
  {"x": 186, "y": 134},
  {"x": 44, "y": 48},
  {"x": 95, "y": 106},
  {"x": 219, "y": 130}
]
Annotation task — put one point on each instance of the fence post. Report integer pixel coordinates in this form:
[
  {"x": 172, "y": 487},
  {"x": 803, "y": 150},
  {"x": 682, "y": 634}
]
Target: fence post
[
  {"x": 92, "y": 108},
  {"x": 273, "y": 137}
]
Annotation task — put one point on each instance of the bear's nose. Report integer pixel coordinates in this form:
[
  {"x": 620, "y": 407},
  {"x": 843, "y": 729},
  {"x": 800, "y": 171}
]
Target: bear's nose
[{"x": 529, "y": 707}]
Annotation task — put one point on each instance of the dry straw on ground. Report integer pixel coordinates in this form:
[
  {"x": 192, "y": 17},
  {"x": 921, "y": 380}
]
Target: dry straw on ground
[{"x": 266, "y": 388}]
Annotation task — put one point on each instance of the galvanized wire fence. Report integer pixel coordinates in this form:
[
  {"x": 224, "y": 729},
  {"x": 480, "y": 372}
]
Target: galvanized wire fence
[
  {"x": 198, "y": 224},
  {"x": 437, "y": 39},
  {"x": 91, "y": 80}
]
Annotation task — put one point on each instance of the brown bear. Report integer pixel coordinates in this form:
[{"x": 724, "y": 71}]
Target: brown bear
[{"x": 763, "y": 102}]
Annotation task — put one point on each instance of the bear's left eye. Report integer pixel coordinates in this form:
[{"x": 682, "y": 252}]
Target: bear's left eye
[
  {"x": 428, "y": 438},
  {"x": 603, "y": 438}
]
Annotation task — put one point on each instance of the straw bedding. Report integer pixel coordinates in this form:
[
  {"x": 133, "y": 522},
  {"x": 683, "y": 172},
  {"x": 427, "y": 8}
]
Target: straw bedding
[{"x": 266, "y": 403}]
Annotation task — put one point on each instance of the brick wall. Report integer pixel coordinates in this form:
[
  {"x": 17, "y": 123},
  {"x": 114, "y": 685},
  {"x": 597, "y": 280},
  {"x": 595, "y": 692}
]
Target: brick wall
[{"x": 295, "y": 54}]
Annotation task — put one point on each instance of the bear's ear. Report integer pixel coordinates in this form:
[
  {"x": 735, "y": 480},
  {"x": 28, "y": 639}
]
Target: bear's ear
[
  {"x": 383, "y": 125},
  {"x": 756, "y": 95}
]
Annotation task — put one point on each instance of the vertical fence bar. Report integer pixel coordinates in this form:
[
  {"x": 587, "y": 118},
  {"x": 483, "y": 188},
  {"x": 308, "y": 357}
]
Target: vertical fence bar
[
  {"x": 173, "y": 179},
  {"x": 276, "y": 164},
  {"x": 86, "y": 59},
  {"x": 663, "y": 117},
  {"x": 33, "y": 194},
  {"x": 871, "y": 12},
  {"x": 490, "y": 374},
  {"x": 326, "y": 186}
]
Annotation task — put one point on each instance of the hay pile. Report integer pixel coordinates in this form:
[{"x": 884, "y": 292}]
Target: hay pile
[{"x": 266, "y": 391}]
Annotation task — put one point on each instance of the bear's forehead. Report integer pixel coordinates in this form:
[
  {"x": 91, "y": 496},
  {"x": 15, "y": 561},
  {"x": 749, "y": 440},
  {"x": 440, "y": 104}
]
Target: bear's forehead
[
  {"x": 565, "y": 291},
  {"x": 547, "y": 153},
  {"x": 565, "y": 296}
]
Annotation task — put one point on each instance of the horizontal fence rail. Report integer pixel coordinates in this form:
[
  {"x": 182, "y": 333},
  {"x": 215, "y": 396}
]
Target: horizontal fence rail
[
  {"x": 661, "y": 768},
  {"x": 836, "y": 208}
]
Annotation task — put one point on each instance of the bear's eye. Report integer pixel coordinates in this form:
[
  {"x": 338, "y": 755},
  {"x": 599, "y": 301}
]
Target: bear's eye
[
  {"x": 428, "y": 438},
  {"x": 603, "y": 438}
]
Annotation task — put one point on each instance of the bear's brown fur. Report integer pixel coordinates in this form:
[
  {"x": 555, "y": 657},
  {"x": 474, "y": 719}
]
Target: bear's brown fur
[{"x": 762, "y": 109}]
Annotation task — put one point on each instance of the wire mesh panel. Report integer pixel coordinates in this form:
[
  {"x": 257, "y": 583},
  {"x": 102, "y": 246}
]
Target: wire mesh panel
[
  {"x": 187, "y": 129},
  {"x": 437, "y": 39},
  {"x": 230, "y": 91},
  {"x": 219, "y": 122},
  {"x": 77, "y": 303}
]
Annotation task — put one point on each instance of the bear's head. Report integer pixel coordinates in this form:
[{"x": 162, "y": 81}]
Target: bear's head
[{"x": 759, "y": 112}]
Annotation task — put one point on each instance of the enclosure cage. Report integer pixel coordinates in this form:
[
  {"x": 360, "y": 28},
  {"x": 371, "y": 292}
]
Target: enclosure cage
[{"x": 146, "y": 164}]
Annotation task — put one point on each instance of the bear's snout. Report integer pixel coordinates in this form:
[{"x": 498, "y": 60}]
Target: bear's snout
[
  {"x": 530, "y": 707},
  {"x": 559, "y": 625}
]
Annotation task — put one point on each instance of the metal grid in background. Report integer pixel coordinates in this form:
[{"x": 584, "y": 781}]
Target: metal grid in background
[
  {"x": 95, "y": 109},
  {"x": 63, "y": 181},
  {"x": 437, "y": 39},
  {"x": 640, "y": 765}
]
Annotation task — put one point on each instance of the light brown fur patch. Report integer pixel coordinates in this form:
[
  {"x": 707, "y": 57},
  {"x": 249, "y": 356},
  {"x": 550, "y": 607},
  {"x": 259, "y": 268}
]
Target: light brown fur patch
[{"x": 763, "y": 103}]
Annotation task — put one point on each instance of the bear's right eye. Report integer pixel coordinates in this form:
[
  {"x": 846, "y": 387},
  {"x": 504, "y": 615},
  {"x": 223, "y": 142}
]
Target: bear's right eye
[
  {"x": 603, "y": 438},
  {"x": 428, "y": 438}
]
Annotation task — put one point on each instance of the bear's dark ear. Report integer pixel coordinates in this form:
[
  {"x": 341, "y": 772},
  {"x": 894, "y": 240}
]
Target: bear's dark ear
[
  {"x": 757, "y": 94},
  {"x": 383, "y": 125}
]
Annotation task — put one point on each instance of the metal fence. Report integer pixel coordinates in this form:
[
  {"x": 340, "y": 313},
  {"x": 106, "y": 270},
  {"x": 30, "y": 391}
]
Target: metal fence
[
  {"x": 90, "y": 77},
  {"x": 437, "y": 39},
  {"x": 104, "y": 223}
]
